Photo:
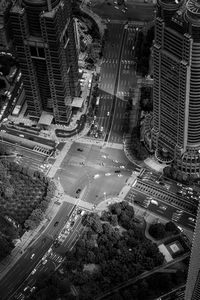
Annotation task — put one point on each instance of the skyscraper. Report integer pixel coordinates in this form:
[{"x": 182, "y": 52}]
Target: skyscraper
[
  {"x": 192, "y": 291},
  {"x": 5, "y": 41},
  {"x": 44, "y": 40},
  {"x": 176, "y": 56}
]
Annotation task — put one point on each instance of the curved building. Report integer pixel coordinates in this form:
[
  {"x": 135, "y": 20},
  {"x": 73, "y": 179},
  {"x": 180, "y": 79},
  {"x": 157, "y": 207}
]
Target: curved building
[
  {"x": 176, "y": 54},
  {"x": 44, "y": 40}
]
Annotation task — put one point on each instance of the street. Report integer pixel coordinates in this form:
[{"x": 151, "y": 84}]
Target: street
[
  {"x": 25, "y": 264},
  {"x": 93, "y": 169}
]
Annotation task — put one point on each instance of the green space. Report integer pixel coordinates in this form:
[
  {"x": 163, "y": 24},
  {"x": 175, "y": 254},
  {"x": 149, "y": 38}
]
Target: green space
[
  {"x": 24, "y": 197},
  {"x": 112, "y": 249}
]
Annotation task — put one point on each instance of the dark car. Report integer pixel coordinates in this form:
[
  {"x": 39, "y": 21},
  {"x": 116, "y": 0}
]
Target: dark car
[
  {"x": 117, "y": 171},
  {"x": 78, "y": 191},
  {"x": 56, "y": 224},
  {"x": 80, "y": 150}
]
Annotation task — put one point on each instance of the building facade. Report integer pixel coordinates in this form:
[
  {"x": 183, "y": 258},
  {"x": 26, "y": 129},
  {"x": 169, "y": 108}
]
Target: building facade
[
  {"x": 45, "y": 46},
  {"x": 5, "y": 40},
  {"x": 192, "y": 291},
  {"x": 176, "y": 93}
]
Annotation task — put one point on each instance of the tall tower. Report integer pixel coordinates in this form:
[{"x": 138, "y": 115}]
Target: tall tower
[
  {"x": 5, "y": 41},
  {"x": 192, "y": 291},
  {"x": 176, "y": 51},
  {"x": 43, "y": 34}
]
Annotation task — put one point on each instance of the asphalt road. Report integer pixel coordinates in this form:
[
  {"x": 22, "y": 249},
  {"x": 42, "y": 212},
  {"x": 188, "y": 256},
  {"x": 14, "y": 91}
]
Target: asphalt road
[
  {"x": 78, "y": 169},
  {"x": 16, "y": 134},
  {"x": 55, "y": 255},
  {"x": 28, "y": 158},
  {"x": 25, "y": 264},
  {"x": 135, "y": 11},
  {"x": 117, "y": 80}
]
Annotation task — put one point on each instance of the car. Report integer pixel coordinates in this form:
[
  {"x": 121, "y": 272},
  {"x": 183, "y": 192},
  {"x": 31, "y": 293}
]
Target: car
[
  {"x": 179, "y": 212},
  {"x": 33, "y": 255},
  {"x": 108, "y": 114},
  {"x": 180, "y": 228},
  {"x": 80, "y": 150},
  {"x": 32, "y": 289},
  {"x": 107, "y": 174},
  {"x": 72, "y": 223},
  {"x": 101, "y": 128},
  {"x": 119, "y": 175},
  {"x": 115, "y": 2},
  {"x": 104, "y": 156},
  {"x": 33, "y": 272},
  {"x": 124, "y": 11},
  {"x": 26, "y": 288},
  {"x": 44, "y": 262},
  {"x": 163, "y": 207},
  {"x": 179, "y": 184},
  {"x": 122, "y": 167},
  {"x": 56, "y": 223},
  {"x": 96, "y": 176},
  {"x": 20, "y": 296},
  {"x": 191, "y": 219},
  {"x": 116, "y": 7},
  {"x": 96, "y": 135},
  {"x": 117, "y": 171},
  {"x": 21, "y": 135},
  {"x": 83, "y": 212},
  {"x": 154, "y": 202},
  {"x": 78, "y": 191}
]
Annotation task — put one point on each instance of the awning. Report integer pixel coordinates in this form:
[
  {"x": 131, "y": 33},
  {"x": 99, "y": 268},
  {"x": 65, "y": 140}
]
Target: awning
[
  {"x": 77, "y": 102},
  {"x": 45, "y": 119}
]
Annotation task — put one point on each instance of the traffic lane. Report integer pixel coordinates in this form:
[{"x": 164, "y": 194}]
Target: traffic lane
[
  {"x": 28, "y": 154},
  {"x": 33, "y": 137},
  {"x": 105, "y": 187},
  {"x": 163, "y": 209},
  {"x": 71, "y": 238},
  {"x": 59, "y": 220},
  {"x": 25, "y": 265},
  {"x": 136, "y": 12},
  {"x": 22, "y": 268}
]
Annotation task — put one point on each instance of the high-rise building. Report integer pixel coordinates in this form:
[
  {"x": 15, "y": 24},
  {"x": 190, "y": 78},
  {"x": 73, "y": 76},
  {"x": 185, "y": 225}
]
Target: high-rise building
[
  {"x": 192, "y": 291},
  {"x": 176, "y": 93},
  {"x": 5, "y": 40},
  {"x": 45, "y": 46}
]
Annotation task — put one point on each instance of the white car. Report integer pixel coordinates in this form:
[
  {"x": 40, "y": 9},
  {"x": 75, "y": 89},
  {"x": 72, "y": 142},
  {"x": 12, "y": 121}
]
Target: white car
[
  {"x": 33, "y": 272},
  {"x": 191, "y": 219},
  {"x": 33, "y": 255},
  {"x": 122, "y": 167},
  {"x": 163, "y": 207},
  {"x": 119, "y": 175},
  {"x": 108, "y": 114},
  {"x": 154, "y": 202},
  {"x": 96, "y": 176},
  {"x": 44, "y": 262},
  {"x": 116, "y": 7},
  {"x": 107, "y": 174}
]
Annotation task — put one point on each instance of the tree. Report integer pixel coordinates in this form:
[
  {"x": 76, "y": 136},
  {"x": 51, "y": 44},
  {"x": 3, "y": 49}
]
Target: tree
[
  {"x": 171, "y": 227},
  {"x": 6, "y": 246},
  {"x": 114, "y": 220},
  {"x": 157, "y": 231}
]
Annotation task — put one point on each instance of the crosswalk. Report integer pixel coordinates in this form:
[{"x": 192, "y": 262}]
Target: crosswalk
[
  {"x": 55, "y": 257},
  {"x": 42, "y": 150}
]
